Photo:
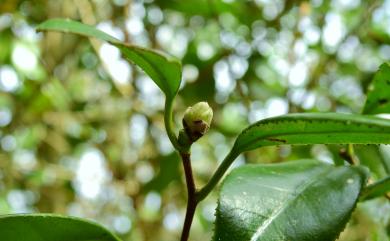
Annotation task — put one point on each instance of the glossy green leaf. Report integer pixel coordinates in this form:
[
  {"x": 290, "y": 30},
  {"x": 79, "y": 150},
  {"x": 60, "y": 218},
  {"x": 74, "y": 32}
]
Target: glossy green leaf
[
  {"x": 48, "y": 227},
  {"x": 314, "y": 128},
  {"x": 162, "y": 68},
  {"x": 303, "y": 200},
  {"x": 378, "y": 96},
  {"x": 304, "y": 129}
]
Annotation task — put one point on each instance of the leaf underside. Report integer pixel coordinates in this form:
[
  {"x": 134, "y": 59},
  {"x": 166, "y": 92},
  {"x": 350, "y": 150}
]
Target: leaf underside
[
  {"x": 314, "y": 128},
  {"x": 48, "y": 227},
  {"x": 163, "y": 69},
  {"x": 303, "y": 200}
]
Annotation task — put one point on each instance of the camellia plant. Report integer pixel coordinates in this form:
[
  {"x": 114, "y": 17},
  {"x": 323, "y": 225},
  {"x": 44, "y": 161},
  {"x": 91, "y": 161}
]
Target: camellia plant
[{"x": 304, "y": 200}]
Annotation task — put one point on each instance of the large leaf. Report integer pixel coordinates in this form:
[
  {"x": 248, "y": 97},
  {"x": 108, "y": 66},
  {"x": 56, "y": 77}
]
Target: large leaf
[
  {"x": 378, "y": 96},
  {"x": 48, "y": 227},
  {"x": 304, "y": 200},
  {"x": 314, "y": 128},
  {"x": 162, "y": 68},
  {"x": 303, "y": 129}
]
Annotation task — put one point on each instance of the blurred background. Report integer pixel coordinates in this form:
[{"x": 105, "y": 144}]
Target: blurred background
[{"x": 81, "y": 129}]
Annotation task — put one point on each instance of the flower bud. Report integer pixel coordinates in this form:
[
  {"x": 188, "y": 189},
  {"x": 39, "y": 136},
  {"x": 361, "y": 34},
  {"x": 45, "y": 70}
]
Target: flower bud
[{"x": 197, "y": 120}]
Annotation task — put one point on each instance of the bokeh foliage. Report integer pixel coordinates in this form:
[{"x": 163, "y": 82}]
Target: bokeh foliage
[{"x": 82, "y": 130}]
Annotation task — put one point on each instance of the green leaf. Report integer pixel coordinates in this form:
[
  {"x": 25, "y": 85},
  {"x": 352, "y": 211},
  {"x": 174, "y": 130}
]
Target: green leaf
[
  {"x": 303, "y": 200},
  {"x": 371, "y": 157},
  {"x": 163, "y": 69},
  {"x": 49, "y": 227},
  {"x": 314, "y": 128},
  {"x": 377, "y": 189},
  {"x": 378, "y": 96},
  {"x": 303, "y": 129}
]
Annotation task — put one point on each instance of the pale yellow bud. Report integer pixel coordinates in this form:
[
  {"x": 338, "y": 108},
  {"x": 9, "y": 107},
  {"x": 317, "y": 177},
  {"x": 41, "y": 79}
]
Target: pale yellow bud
[{"x": 197, "y": 120}]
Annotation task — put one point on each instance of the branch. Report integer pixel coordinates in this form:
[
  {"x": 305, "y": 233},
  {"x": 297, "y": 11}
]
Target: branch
[
  {"x": 191, "y": 202},
  {"x": 169, "y": 126}
]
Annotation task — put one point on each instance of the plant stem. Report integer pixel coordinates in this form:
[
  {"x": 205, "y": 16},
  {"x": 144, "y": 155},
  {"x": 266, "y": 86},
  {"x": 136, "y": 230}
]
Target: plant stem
[
  {"x": 186, "y": 159},
  {"x": 349, "y": 155},
  {"x": 168, "y": 124},
  {"x": 191, "y": 201},
  {"x": 202, "y": 193}
]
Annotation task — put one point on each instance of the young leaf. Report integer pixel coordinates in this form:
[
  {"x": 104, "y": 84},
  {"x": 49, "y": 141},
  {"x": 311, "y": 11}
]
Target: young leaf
[
  {"x": 303, "y": 200},
  {"x": 314, "y": 128},
  {"x": 378, "y": 96},
  {"x": 164, "y": 70},
  {"x": 49, "y": 227}
]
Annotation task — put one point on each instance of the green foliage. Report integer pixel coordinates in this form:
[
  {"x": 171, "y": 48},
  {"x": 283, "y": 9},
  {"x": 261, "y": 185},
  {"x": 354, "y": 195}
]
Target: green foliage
[
  {"x": 371, "y": 157},
  {"x": 380, "y": 188},
  {"x": 303, "y": 129},
  {"x": 302, "y": 200},
  {"x": 162, "y": 68},
  {"x": 298, "y": 201},
  {"x": 48, "y": 227},
  {"x": 314, "y": 128},
  {"x": 240, "y": 56},
  {"x": 378, "y": 96},
  {"x": 70, "y": 26}
]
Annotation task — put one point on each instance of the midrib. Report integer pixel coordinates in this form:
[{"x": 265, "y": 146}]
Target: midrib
[{"x": 262, "y": 228}]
